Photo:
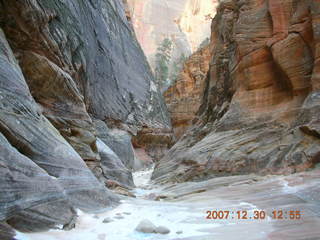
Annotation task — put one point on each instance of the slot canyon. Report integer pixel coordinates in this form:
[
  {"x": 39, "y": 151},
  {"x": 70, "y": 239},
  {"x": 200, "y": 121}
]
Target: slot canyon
[{"x": 159, "y": 119}]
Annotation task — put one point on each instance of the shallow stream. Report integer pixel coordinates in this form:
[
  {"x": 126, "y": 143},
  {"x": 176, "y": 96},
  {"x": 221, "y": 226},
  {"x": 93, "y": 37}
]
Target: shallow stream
[{"x": 184, "y": 211}]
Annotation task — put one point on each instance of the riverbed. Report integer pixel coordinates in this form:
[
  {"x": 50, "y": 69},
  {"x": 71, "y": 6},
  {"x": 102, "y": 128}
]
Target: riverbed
[{"x": 183, "y": 209}]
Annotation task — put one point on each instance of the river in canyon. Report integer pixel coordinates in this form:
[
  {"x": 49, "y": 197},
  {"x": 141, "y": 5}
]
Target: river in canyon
[{"x": 183, "y": 209}]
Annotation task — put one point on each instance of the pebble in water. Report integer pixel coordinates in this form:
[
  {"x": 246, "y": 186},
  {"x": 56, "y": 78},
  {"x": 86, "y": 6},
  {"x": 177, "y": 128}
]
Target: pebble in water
[
  {"x": 107, "y": 220},
  {"x": 162, "y": 230},
  {"x": 146, "y": 226}
]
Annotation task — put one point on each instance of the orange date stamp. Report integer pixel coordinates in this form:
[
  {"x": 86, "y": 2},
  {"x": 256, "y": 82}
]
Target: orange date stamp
[{"x": 254, "y": 215}]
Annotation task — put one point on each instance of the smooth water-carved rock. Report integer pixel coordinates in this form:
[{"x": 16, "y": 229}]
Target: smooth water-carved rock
[
  {"x": 155, "y": 142},
  {"x": 69, "y": 59},
  {"x": 118, "y": 140},
  {"x": 29, "y": 193},
  {"x": 38, "y": 161},
  {"x": 6, "y": 232},
  {"x": 162, "y": 230},
  {"x": 80, "y": 68},
  {"x": 112, "y": 166},
  {"x": 146, "y": 226},
  {"x": 117, "y": 155},
  {"x": 100, "y": 53},
  {"x": 259, "y": 110},
  {"x": 61, "y": 101}
]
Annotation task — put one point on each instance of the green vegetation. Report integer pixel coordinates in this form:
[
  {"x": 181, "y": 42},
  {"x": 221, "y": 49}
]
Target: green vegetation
[
  {"x": 163, "y": 58},
  {"x": 177, "y": 66},
  {"x": 204, "y": 43}
]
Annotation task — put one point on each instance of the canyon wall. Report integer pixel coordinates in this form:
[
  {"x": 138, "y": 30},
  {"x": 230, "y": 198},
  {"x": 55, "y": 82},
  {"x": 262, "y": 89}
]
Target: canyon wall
[
  {"x": 184, "y": 97},
  {"x": 260, "y": 109},
  {"x": 186, "y": 23},
  {"x": 74, "y": 86}
]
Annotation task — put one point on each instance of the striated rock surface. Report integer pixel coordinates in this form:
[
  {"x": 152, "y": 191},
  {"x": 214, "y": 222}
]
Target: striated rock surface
[
  {"x": 112, "y": 166},
  {"x": 155, "y": 142},
  {"x": 6, "y": 232},
  {"x": 42, "y": 173},
  {"x": 260, "y": 108},
  {"x": 94, "y": 51},
  {"x": 64, "y": 65},
  {"x": 184, "y": 97},
  {"x": 118, "y": 140}
]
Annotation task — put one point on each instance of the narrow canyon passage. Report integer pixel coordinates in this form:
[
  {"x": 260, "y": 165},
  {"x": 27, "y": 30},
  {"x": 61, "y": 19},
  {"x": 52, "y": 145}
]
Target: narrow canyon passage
[
  {"x": 120, "y": 122},
  {"x": 183, "y": 210}
]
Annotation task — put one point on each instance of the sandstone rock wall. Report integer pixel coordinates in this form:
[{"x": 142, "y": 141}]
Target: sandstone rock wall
[
  {"x": 64, "y": 65},
  {"x": 260, "y": 108},
  {"x": 184, "y": 97},
  {"x": 41, "y": 174}
]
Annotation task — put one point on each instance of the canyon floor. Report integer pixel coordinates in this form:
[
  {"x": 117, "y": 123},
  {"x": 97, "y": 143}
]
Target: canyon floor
[{"x": 182, "y": 208}]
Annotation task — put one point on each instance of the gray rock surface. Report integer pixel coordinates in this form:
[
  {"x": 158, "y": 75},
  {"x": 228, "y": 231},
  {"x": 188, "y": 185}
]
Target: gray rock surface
[
  {"x": 6, "y": 232},
  {"x": 68, "y": 62},
  {"x": 31, "y": 195},
  {"x": 146, "y": 226},
  {"x": 259, "y": 112},
  {"x": 162, "y": 230},
  {"x": 112, "y": 166},
  {"x": 118, "y": 140},
  {"x": 93, "y": 42},
  {"x": 107, "y": 220},
  {"x": 43, "y": 174}
]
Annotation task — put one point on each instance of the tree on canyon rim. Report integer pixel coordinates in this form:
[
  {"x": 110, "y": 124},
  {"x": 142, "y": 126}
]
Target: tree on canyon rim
[{"x": 163, "y": 58}]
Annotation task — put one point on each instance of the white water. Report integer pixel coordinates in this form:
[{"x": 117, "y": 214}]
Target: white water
[
  {"x": 188, "y": 212},
  {"x": 176, "y": 216}
]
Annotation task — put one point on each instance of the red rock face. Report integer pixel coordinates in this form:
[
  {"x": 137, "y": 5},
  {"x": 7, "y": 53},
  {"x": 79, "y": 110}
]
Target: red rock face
[
  {"x": 184, "y": 97},
  {"x": 260, "y": 108}
]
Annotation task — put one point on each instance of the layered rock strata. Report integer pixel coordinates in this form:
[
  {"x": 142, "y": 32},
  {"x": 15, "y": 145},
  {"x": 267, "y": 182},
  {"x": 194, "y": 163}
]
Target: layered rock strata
[
  {"x": 184, "y": 97},
  {"x": 260, "y": 110},
  {"x": 41, "y": 173},
  {"x": 64, "y": 65}
]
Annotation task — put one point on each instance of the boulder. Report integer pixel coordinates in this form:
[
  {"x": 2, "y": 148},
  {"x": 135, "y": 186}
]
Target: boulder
[
  {"x": 146, "y": 226},
  {"x": 119, "y": 141},
  {"x": 112, "y": 166},
  {"x": 162, "y": 230}
]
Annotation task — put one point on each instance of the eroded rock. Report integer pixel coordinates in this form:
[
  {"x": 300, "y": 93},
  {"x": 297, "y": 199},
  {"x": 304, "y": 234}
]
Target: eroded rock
[
  {"x": 146, "y": 226},
  {"x": 162, "y": 230},
  {"x": 258, "y": 113},
  {"x": 112, "y": 166},
  {"x": 31, "y": 153},
  {"x": 184, "y": 97},
  {"x": 68, "y": 62}
]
